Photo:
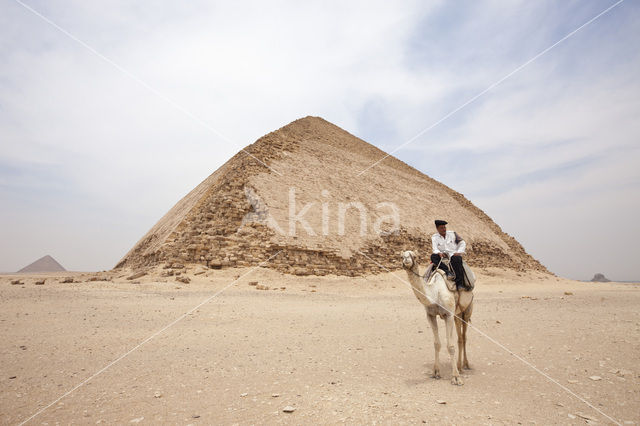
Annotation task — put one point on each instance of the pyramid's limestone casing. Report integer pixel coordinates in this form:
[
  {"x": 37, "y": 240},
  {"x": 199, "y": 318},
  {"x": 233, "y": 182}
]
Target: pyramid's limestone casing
[{"x": 228, "y": 219}]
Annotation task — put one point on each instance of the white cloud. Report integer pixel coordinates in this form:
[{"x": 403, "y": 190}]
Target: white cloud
[{"x": 78, "y": 133}]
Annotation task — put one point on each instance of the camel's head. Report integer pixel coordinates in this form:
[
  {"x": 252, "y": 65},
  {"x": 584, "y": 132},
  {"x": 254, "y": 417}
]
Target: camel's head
[{"x": 409, "y": 259}]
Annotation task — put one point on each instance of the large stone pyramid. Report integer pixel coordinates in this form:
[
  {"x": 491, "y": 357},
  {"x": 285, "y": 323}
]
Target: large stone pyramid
[
  {"x": 44, "y": 264},
  {"x": 245, "y": 212}
]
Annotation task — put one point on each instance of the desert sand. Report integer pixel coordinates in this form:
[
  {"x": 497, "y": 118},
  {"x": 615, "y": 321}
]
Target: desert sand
[{"x": 335, "y": 349}]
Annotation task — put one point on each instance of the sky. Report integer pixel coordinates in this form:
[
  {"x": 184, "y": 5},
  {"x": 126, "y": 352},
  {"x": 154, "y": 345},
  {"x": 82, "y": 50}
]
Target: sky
[{"x": 110, "y": 112}]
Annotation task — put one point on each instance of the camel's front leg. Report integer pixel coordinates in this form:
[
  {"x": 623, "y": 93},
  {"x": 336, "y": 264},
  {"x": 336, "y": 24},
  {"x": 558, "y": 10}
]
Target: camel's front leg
[
  {"x": 433, "y": 322},
  {"x": 455, "y": 375}
]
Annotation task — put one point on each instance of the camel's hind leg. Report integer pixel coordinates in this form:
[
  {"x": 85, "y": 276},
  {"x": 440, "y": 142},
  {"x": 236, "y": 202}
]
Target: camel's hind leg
[
  {"x": 458, "y": 323},
  {"x": 465, "y": 324},
  {"x": 433, "y": 322},
  {"x": 455, "y": 374}
]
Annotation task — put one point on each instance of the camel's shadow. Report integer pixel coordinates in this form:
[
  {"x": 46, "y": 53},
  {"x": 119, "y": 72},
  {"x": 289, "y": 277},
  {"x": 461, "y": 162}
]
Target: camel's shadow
[{"x": 427, "y": 372}]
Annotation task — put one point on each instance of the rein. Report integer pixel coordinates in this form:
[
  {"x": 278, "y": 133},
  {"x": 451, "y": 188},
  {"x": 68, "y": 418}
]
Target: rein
[
  {"x": 415, "y": 273},
  {"x": 422, "y": 276}
]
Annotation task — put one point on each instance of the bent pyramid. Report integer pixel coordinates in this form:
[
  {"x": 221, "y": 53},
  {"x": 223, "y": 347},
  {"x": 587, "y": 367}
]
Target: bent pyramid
[
  {"x": 295, "y": 197},
  {"x": 44, "y": 264}
]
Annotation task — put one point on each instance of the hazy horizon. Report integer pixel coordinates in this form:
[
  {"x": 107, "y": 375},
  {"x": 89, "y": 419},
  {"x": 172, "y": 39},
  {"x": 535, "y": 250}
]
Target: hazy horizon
[{"x": 95, "y": 149}]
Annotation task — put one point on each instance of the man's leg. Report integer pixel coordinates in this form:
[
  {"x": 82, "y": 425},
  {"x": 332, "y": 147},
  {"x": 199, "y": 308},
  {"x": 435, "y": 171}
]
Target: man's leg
[
  {"x": 456, "y": 264},
  {"x": 435, "y": 259}
]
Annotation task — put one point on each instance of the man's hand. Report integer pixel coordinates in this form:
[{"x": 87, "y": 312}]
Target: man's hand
[
  {"x": 458, "y": 254},
  {"x": 442, "y": 255}
]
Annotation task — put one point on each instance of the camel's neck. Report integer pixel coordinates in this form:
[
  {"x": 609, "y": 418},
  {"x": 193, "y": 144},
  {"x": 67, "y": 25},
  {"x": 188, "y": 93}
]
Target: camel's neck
[
  {"x": 417, "y": 285},
  {"x": 414, "y": 275}
]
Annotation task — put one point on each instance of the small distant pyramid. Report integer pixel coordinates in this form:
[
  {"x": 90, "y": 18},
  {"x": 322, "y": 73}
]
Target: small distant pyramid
[{"x": 44, "y": 264}]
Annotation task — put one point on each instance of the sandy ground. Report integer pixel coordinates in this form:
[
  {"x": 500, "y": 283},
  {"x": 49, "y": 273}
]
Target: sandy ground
[{"x": 354, "y": 350}]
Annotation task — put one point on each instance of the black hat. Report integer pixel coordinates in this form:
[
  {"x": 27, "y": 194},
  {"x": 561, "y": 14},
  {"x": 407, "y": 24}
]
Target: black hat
[{"x": 440, "y": 222}]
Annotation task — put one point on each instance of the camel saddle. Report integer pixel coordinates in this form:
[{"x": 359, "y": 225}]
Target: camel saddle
[{"x": 469, "y": 276}]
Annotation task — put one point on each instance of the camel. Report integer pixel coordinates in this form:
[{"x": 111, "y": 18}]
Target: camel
[{"x": 438, "y": 299}]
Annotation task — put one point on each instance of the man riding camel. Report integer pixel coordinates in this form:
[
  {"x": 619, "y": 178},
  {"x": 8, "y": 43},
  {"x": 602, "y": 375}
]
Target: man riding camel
[{"x": 448, "y": 245}]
